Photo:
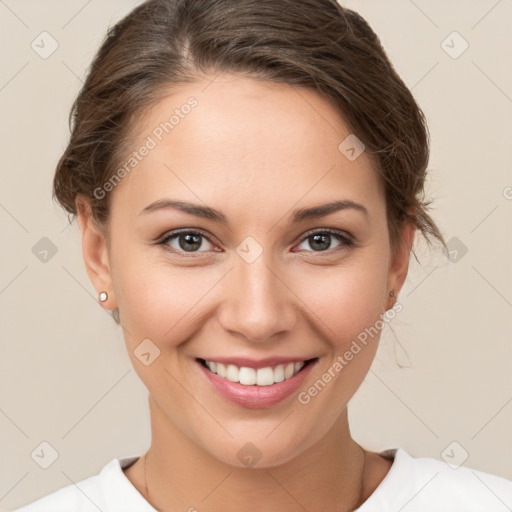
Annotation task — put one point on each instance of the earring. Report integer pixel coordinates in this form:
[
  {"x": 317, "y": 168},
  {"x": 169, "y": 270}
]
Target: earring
[
  {"x": 103, "y": 296},
  {"x": 392, "y": 293}
]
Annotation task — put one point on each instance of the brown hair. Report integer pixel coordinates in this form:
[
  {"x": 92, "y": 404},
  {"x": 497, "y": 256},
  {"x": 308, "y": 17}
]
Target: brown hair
[{"x": 312, "y": 43}]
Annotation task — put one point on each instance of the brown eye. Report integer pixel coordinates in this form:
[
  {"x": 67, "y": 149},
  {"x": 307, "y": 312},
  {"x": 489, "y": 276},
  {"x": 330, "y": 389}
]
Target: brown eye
[
  {"x": 187, "y": 241},
  {"x": 321, "y": 241}
]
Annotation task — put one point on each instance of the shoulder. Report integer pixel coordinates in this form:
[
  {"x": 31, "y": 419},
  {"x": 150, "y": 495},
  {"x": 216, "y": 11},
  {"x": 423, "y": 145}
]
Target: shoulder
[
  {"x": 109, "y": 491},
  {"x": 422, "y": 484}
]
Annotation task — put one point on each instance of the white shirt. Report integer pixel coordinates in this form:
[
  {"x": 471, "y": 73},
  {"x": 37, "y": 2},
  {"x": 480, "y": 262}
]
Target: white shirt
[{"x": 411, "y": 485}]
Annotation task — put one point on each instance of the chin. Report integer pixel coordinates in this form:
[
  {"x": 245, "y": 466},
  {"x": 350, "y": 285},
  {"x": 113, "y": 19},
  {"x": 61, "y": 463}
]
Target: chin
[{"x": 258, "y": 451}]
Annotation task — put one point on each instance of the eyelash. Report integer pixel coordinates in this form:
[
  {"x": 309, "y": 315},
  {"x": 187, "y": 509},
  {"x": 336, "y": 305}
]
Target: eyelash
[{"x": 345, "y": 240}]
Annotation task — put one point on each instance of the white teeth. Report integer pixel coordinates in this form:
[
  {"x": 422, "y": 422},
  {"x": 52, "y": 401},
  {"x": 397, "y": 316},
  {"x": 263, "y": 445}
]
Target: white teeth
[
  {"x": 265, "y": 376},
  {"x": 221, "y": 370},
  {"x": 232, "y": 373},
  {"x": 288, "y": 371},
  {"x": 279, "y": 373},
  {"x": 249, "y": 376}
]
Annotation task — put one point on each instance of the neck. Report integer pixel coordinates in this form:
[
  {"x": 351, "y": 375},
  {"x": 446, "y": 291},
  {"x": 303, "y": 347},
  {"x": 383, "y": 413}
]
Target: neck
[{"x": 181, "y": 475}]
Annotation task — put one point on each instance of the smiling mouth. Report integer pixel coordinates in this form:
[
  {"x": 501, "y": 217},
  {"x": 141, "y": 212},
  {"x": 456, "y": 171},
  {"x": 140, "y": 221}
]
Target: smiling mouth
[{"x": 256, "y": 377}]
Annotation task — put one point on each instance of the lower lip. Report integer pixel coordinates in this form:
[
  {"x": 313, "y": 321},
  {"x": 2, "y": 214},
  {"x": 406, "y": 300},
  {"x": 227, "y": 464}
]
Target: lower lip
[{"x": 256, "y": 397}]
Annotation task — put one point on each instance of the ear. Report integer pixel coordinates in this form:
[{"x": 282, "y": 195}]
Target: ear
[
  {"x": 400, "y": 261},
  {"x": 94, "y": 251}
]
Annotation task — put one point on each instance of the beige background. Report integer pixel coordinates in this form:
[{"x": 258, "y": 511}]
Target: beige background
[{"x": 65, "y": 376}]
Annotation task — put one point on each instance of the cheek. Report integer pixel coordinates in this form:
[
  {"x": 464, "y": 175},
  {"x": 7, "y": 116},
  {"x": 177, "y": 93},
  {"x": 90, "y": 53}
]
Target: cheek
[
  {"x": 160, "y": 301},
  {"x": 346, "y": 299},
  {"x": 349, "y": 310}
]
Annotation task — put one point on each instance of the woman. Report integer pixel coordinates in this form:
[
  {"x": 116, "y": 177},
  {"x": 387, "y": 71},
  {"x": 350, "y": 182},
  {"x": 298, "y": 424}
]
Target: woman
[{"x": 248, "y": 179}]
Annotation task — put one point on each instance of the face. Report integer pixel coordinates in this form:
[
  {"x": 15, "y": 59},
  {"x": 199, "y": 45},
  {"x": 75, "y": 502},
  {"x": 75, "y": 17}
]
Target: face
[{"x": 252, "y": 274}]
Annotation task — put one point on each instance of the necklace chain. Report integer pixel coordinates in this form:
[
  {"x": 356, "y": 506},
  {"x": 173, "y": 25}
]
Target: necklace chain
[{"x": 358, "y": 504}]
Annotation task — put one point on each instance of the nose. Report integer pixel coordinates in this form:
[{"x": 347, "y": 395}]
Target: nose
[{"x": 258, "y": 304}]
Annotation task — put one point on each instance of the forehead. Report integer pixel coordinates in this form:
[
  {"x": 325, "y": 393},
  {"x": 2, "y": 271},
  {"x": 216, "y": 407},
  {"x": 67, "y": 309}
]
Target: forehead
[{"x": 232, "y": 139}]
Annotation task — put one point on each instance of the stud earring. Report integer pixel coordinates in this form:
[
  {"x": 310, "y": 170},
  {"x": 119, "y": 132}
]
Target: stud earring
[
  {"x": 103, "y": 296},
  {"x": 392, "y": 293}
]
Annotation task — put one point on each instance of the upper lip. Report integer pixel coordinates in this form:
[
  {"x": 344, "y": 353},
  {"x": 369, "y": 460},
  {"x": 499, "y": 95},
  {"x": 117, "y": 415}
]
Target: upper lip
[{"x": 256, "y": 363}]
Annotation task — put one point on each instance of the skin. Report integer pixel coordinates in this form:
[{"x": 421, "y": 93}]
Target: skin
[{"x": 255, "y": 151}]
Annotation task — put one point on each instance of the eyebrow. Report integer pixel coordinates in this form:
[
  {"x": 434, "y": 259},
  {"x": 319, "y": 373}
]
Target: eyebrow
[{"x": 298, "y": 215}]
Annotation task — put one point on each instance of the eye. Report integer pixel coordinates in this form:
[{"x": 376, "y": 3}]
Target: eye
[
  {"x": 321, "y": 241},
  {"x": 186, "y": 241},
  {"x": 190, "y": 241}
]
